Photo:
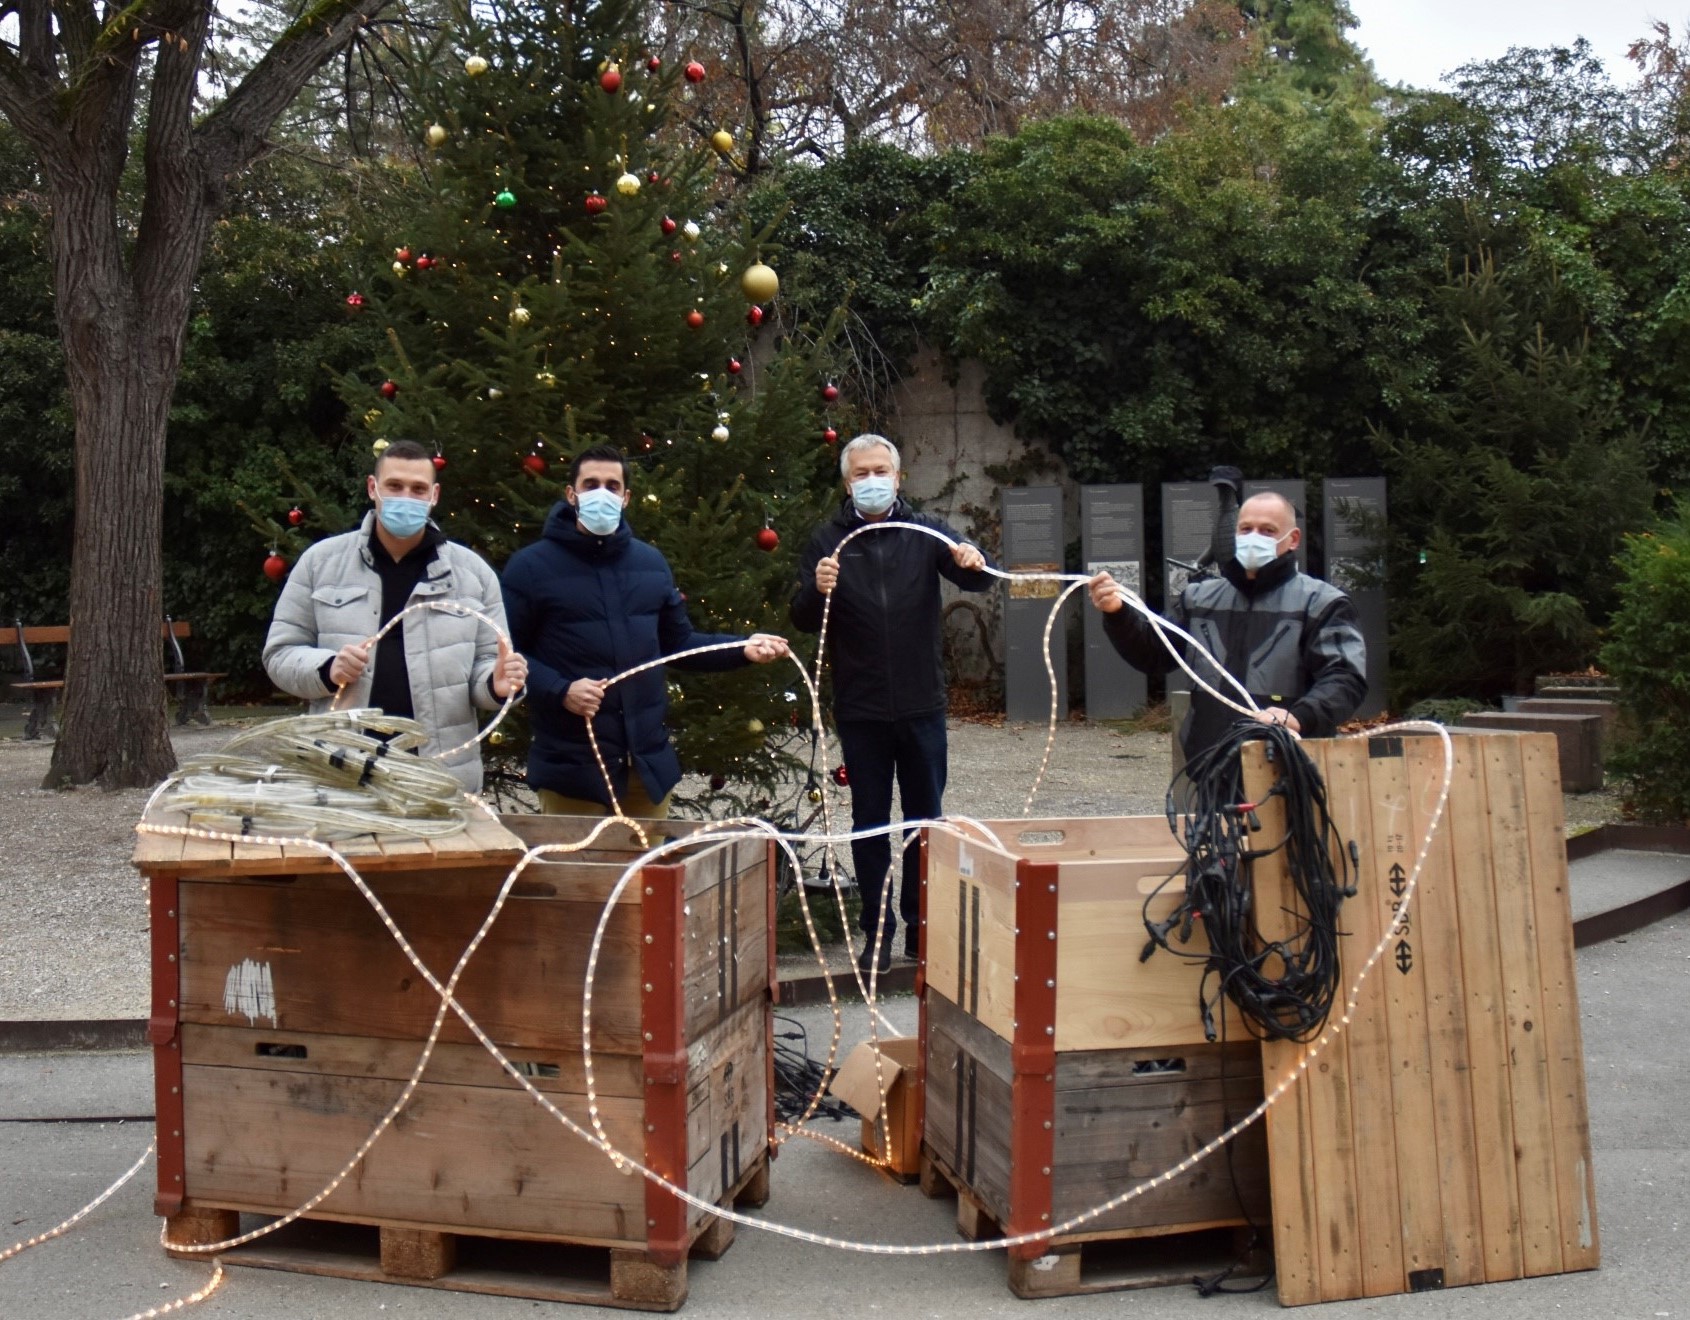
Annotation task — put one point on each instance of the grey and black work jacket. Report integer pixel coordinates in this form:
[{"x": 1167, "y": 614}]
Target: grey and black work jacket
[{"x": 1291, "y": 639}]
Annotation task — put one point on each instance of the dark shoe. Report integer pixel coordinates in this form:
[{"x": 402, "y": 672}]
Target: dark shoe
[
  {"x": 912, "y": 943},
  {"x": 864, "y": 958}
]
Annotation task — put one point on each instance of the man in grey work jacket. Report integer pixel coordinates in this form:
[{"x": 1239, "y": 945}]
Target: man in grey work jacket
[
  {"x": 1291, "y": 639},
  {"x": 884, "y": 646},
  {"x": 435, "y": 667}
]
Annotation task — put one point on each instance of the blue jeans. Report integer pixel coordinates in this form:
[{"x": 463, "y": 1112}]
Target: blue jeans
[{"x": 875, "y": 750}]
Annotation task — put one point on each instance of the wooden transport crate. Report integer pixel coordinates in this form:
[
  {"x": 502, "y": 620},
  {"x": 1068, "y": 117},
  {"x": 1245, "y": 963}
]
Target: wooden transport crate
[
  {"x": 1443, "y": 1137},
  {"x": 1058, "y": 1070},
  {"x": 285, "y": 1019}
]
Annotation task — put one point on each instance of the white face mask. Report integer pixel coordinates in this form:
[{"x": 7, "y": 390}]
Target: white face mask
[
  {"x": 873, "y": 495},
  {"x": 1255, "y": 550}
]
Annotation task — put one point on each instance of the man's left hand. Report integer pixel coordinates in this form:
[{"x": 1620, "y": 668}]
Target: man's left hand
[
  {"x": 968, "y": 556},
  {"x": 760, "y": 648},
  {"x": 1278, "y": 715},
  {"x": 510, "y": 671}
]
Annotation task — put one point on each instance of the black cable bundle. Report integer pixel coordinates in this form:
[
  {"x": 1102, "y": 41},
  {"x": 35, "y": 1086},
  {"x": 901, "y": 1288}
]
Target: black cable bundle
[
  {"x": 798, "y": 1077},
  {"x": 1283, "y": 989}
]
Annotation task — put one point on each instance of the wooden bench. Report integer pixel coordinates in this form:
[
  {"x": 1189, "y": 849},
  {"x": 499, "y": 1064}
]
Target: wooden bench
[{"x": 192, "y": 686}]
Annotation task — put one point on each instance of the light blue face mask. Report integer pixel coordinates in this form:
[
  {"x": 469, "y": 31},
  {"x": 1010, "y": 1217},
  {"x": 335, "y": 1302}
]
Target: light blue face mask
[
  {"x": 599, "y": 511},
  {"x": 873, "y": 495},
  {"x": 402, "y": 515},
  {"x": 1254, "y": 550}
]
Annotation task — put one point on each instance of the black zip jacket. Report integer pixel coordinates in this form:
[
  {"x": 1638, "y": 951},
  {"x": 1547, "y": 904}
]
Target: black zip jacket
[{"x": 883, "y": 641}]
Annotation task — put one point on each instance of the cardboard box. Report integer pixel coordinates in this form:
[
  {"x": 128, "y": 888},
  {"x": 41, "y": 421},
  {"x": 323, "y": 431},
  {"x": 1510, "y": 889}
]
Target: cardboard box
[{"x": 858, "y": 1085}]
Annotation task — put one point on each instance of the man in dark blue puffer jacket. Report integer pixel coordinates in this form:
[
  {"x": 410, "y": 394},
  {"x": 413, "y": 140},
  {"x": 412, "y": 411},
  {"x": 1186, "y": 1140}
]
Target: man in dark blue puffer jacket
[{"x": 586, "y": 602}]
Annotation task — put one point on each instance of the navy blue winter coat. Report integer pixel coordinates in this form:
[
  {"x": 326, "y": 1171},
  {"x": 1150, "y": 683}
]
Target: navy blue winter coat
[{"x": 583, "y": 606}]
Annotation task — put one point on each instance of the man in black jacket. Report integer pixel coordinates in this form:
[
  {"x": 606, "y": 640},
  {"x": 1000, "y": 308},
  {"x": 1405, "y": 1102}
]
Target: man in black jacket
[
  {"x": 1291, "y": 639},
  {"x": 883, "y": 643}
]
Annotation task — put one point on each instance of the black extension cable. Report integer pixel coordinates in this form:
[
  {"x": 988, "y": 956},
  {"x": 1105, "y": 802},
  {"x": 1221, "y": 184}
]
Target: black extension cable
[{"x": 1283, "y": 989}]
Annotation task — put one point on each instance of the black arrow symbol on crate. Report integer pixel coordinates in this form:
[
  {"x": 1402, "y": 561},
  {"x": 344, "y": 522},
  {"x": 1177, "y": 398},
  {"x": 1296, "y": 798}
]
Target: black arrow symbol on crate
[
  {"x": 1405, "y": 957},
  {"x": 1398, "y": 879}
]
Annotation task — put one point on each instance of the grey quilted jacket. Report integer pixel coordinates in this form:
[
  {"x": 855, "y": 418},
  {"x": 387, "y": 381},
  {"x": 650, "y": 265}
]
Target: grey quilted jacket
[{"x": 333, "y": 598}]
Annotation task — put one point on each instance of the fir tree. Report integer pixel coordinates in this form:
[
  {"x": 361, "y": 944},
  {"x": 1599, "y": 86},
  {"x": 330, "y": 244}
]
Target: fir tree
[{"x": 570, "y": 274}]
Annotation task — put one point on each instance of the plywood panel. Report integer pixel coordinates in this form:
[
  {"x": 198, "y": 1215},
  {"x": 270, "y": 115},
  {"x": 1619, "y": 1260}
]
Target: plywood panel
[{"x": 970, "y": 947}]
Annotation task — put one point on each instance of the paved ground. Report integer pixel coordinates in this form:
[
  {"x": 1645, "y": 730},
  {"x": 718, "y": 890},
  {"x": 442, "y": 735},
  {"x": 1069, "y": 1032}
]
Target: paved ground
[{"x": 1632, "y": 993}]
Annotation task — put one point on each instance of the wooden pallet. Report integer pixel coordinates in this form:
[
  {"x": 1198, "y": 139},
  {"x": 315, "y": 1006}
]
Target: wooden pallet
[
  {"x": 1104, "y": 1262},
  {"x": 543, "y": 1269},
  {"x": 1443, "y": 1138}
]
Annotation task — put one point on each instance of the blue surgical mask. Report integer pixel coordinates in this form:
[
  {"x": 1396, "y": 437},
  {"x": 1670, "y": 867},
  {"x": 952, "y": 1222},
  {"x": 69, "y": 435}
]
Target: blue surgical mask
[
  {"x": 873, "y": 495},
  {"x": 402, "y": 515},
  {"x": 599, "y": 511},
  {"x": 1255, "y": 550}
]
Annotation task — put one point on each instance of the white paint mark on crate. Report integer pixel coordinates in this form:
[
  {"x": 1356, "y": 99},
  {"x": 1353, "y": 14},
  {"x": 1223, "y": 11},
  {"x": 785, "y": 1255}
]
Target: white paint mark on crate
[{"x": 249, "y": 992}]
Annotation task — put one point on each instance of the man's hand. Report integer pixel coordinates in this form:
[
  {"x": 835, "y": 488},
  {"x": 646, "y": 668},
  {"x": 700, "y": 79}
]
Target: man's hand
[
  {"x": 827, "y": 575},
  {"x": 350, "y": 662},
  {"x": 1106, "y": 594},
  {"x": 760, "y": 648},
  {"x": 1278, "y": 715},
  {"x": 510, "y": 671},
  {"x": 584, "y": 697},
  {"x": 968, "y": 556}
]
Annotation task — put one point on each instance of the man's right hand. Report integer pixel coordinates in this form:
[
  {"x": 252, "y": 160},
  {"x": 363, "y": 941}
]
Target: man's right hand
[
  {"x": 1106, "y": 593},
  {"x": 350, "y": 662},
  {"x": 827, "y": 575},
  {"x": 584, "y": 697}
]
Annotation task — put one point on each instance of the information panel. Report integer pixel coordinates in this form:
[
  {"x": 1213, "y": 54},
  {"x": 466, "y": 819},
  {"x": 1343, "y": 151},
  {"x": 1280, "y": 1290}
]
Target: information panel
[
  {"x": 1112, "y": 541},
  {"x": 1355, "y": 561},
  {"x": 1032, "y": 542}
]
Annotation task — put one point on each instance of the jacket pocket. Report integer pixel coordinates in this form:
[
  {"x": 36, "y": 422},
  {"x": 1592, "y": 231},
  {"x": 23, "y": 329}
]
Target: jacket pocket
[{"x": 336, "y": 597}]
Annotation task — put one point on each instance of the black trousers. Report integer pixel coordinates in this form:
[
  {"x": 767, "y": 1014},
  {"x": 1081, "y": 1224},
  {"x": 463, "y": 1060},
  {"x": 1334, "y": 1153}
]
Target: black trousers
[{"x": 876, "y": 751}]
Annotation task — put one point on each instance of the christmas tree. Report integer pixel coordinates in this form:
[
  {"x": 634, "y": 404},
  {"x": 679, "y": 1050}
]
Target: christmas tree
[{"x": 569, "y": 274}]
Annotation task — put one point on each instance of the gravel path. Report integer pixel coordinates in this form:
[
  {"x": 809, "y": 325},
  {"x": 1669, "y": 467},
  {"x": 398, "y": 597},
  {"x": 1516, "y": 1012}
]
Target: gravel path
[{"x": 73, "y": 914}]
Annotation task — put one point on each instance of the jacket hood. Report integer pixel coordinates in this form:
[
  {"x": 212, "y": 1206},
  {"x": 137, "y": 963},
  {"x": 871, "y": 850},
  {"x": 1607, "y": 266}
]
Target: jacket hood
[{"x": 561, "y": 527}]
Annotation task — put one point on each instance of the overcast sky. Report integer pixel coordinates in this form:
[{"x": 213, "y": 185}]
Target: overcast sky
[{"x": 1418, "y": 41}]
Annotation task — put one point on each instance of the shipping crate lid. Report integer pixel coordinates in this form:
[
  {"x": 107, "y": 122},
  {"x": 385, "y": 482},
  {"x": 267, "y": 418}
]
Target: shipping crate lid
[{"x": 856, "y": 1082}]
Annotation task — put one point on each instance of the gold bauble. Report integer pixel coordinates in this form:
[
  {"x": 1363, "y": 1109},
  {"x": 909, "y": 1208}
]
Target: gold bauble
[
  {"x": 546, "y": 380},
  {"x": 722, "y": 140},
  {"x": 370, "y": 419},
  {"x": 754, "y": 727},
  {"x": 379, "y": 448},
  {"x": 628, "y": 184},
  {"x": 815, "y": 795},
  {"x": 475, "y": 66},
  {"x": 436, "y": 135},
  {"x": 759, "y": 283},
  {"x": 497, "y": 737},
  {"x": 720, "y": 435},
  {"x": 520, "y": 315}
]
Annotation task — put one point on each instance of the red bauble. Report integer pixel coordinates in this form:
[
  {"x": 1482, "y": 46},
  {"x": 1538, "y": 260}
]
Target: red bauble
[
  {"x": 402, "y": 254},
  {"x": 768, "y": 539},
  {"x": 611, "y": 80},
  {"x": 754, "y": 316},
  {"x": 355, "y": 301},
  {"x": 735, "y": 366},
  {"x": 595, "y": 203},
  {"x": 275, "y": 567},
  {"x": 831, "y": 436},
  {"x": 695, "y": 318},
  {"x": 439, "y": 461},
  {"x": 389, "y": 389},
  {"x": 653, "y": 177},
  {"x": 694, "y": 72},
  {"x": 840, "y": 776},
  {"x": 675, "y": 256},
  {"x": 534, "y": 463},
  {"x": 654, "y": 64},
  {"x": 424, "y": 262},
  {"x": 296, "y": 515},
  {"x": 830, "y": 391},
  {"x": 669, "y": 226}
]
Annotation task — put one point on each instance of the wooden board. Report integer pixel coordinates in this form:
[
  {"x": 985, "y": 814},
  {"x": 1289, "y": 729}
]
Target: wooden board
[
  {"x": 1442, "y": 1138},
  {"x": 970, "y": 938}
]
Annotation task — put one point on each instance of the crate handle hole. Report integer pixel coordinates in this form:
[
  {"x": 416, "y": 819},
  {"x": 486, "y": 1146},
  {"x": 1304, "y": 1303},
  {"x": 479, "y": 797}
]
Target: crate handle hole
[
  {"x": 528, "y": 1068},
  {"x": 272, "y": 1049},
  {"x": 1041, "y": 838},
  {"x": 1157, "y": 1067}
]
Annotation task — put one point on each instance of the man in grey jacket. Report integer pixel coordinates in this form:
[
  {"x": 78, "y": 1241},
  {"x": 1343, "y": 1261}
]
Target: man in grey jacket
[
  {"x": 1290, "y": 639},
  {"x": 436, "y": 666}
]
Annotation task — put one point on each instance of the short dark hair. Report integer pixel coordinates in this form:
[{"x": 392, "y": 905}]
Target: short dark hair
[
  {"x": 598, "y": 454},
  {"x": 406, "y": 449}
]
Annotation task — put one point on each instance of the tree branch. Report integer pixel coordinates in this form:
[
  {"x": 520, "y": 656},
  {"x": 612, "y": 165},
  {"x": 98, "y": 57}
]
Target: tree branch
[{"x": 233, "y": 134}]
